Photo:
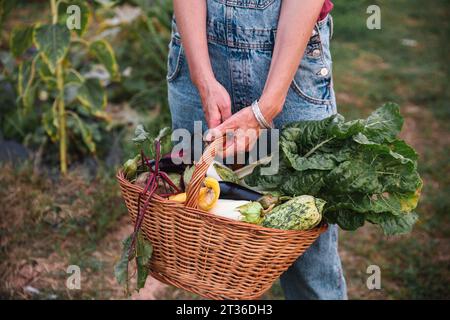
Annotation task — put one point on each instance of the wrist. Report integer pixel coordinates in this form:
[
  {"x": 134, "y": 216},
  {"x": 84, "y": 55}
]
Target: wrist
[
  {"x": 270, "y": 107},
  {"x": 203, "y": 81}
]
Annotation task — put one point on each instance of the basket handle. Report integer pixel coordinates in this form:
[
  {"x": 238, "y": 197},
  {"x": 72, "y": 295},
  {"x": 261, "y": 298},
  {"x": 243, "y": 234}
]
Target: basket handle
[{"x": 193, "y": 189}]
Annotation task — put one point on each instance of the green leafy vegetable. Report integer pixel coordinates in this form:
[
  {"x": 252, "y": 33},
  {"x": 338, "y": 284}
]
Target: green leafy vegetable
[
  {"x": 142, "y": 252},
  {"x": 140, "y": 135},
  {"x": 121, "y": 267},
  {"x": 187, "y": 175},
  {"x": 360, "y": 168},
  {"x": 251, "y": 212},
  {"x": 136, "y": 246},
  {"x": 225, "y": 173},
  {"x": 130, "y": 166}
]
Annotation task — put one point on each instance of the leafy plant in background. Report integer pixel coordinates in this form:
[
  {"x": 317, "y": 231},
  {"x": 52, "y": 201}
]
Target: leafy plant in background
[
  {"x": 70, "y": 101},
  {"x": 143, "y": 52}
]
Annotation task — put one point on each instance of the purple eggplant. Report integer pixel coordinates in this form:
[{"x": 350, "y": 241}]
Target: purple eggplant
[{"x": 233, "y": 191}]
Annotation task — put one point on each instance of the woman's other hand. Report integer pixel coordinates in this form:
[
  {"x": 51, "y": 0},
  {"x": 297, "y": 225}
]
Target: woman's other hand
[{"x": 216, "y": 102}]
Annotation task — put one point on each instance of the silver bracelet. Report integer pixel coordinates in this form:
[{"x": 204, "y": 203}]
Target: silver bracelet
[{"x": 259, "y": 116}]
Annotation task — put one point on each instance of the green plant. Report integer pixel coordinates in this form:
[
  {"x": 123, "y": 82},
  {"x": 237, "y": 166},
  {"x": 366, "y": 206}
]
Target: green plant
[
  {"x": 143, "y": 50},
  {"x": 360, "y": 168},
  {"x": 68, "y": 101},
  {"x": 136, "y": 246},
  {"x": 6, "y": 7}
]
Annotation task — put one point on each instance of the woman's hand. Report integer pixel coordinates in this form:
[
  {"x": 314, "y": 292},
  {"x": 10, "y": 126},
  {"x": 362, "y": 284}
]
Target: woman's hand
[
  {"x": 191, "y": 23},
  {"x": 244, "y": 128},
  {"x": 216, "y": 102},
  {"x": 242, "y": 131}
]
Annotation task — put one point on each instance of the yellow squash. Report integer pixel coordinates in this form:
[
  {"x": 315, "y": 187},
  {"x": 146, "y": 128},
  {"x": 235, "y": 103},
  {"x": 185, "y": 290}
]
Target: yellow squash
[
  {"x": 180, "y": 197},
  {"x": 209, "y": 194}
]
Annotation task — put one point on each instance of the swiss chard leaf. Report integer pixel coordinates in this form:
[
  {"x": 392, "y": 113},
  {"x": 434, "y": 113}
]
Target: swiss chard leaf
[
  {"x": 347, "y": 220},
  {"x": 359, "y": 167},
  {"x": 353, "y": 176},
  {"x": 140, "y": 134},
  {"x": 385, "y": 123},
  {"x": 303, "y": 182},
  {"x": 121, "y": 267},
  {"x": 392, "y": 224},
  {"x": 300, "y": 140},
  {"x": 143, "y": 252}
]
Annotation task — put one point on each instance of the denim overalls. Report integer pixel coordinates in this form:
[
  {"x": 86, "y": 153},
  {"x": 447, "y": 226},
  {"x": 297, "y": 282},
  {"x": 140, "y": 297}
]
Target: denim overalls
[{"x": 241, "y": 36}]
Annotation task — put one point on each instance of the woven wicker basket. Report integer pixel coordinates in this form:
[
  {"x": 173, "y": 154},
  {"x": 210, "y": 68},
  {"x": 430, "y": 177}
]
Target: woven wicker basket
[{"x": 214, "y": 257}]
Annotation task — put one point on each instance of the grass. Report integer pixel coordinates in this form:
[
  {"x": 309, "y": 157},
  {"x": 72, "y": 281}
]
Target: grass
[{"x": 49, "y": 223}]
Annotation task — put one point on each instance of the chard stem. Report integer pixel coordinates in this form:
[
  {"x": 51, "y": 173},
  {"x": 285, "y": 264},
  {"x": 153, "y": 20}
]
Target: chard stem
[{"x": 310, "y": 152}]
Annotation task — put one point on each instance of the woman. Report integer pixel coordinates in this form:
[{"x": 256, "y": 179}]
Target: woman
[{"x": 227, "y": 69}]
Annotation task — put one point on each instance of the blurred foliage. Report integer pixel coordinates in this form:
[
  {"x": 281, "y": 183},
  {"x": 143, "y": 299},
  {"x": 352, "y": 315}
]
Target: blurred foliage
[
  {"x": 60, "y": 78},
  {"x": 139, "y": 33},
  {"x": 143, "y": 52}
]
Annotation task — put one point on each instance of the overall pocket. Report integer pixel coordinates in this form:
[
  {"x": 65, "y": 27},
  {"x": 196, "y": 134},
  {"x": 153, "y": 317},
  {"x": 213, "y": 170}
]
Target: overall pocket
[
  {"x": 175, "y": 59},
  {"x": 313, "y": 79}
]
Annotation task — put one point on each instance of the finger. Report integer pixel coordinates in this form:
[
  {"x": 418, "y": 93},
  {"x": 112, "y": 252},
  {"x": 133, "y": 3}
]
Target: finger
[
  {"x": 241, "y": 142},
  {"x": 228, "y": 144},
  {"x": 225, "y": 110},
  {"x": 212, "y": 134},
  {"x": 212, "y": 115},
  {"x": 228, "y": 125},
  {"x": 241, "y": 149},
  {"x": 230, "y": 150},
  {"x": 213, "y": 119},
  {"x": 253, "y": 139},
  {"x": 238, "y": 146},
  {"x": 225, "y": 149},
  {"x": 251, "y": 144},
  {"x": 213, "y": 122}
]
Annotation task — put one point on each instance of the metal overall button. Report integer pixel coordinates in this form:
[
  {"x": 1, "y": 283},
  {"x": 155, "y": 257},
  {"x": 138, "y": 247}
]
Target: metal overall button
[
  {"x": 323, "y": 72},
  {"x": 316, "y": 53}
]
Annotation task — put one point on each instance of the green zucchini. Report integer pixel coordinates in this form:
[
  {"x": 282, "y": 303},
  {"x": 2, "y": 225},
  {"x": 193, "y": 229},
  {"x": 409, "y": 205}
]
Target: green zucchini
[{"x": 300, "y": 213}]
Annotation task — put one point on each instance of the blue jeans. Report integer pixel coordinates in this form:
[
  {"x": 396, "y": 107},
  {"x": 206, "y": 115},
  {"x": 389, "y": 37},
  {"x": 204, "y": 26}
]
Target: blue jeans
[{"x": 241, "y": 36}]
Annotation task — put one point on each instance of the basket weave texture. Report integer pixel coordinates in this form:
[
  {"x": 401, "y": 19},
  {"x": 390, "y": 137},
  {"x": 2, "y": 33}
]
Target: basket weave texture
[{"x": 209, "y": 255}]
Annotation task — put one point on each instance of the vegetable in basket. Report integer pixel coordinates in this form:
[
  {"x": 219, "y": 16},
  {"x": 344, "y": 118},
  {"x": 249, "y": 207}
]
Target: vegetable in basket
[
  {"x": 300, "y": 213},
  {"x": 240, "y": 210},
  {"x": 136, "y": 246},
  {"x": 228, "y": 209},
  {"x": 233, "y": 191},
  {"x": 360, "y": 168},
  {"x": 222, "y": 173},
  {"x": 252, "y": 212},
  {"x": 130, "y": 166},
  {"x": 208, "y": 196}
]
